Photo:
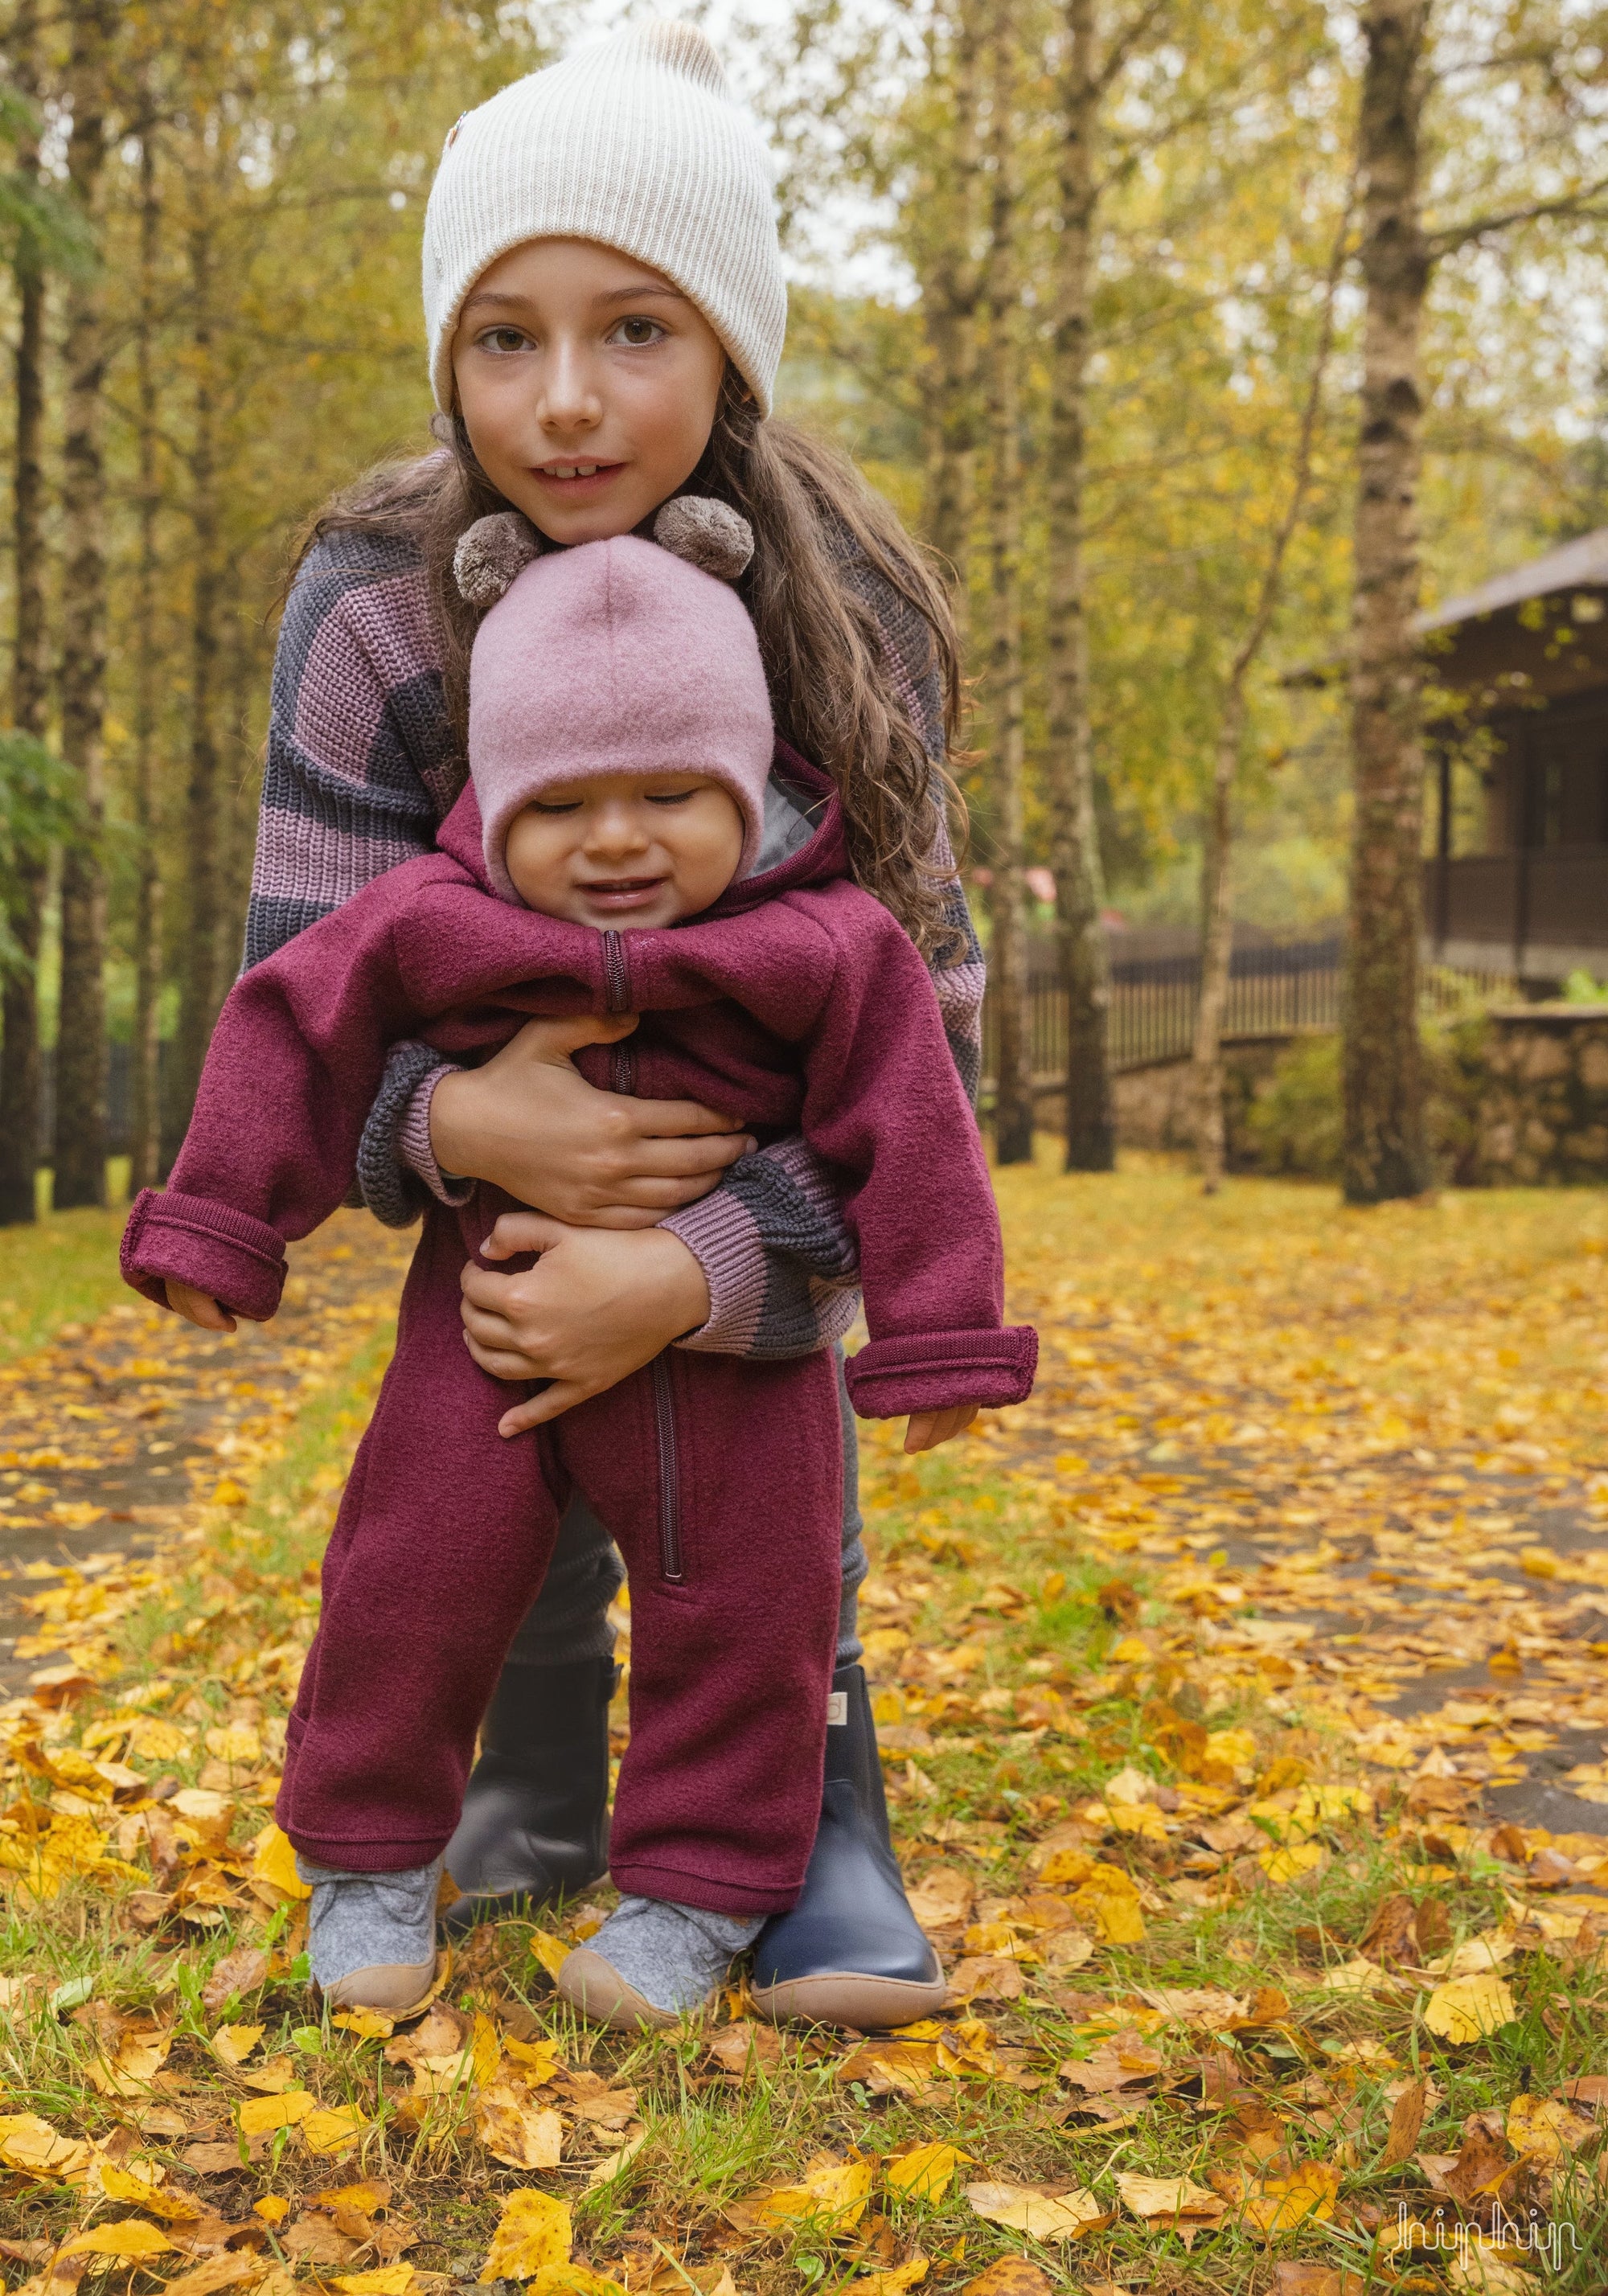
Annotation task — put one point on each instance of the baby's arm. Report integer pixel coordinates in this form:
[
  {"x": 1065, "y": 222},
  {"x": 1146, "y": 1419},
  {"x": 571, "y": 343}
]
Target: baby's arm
[
  {"x": 884, "y": 1103},
  {"x": 291, "y": 1069}
]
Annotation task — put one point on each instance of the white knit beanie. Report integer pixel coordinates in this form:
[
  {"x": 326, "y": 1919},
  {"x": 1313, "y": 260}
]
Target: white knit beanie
[{"x": 635, "y": 143}]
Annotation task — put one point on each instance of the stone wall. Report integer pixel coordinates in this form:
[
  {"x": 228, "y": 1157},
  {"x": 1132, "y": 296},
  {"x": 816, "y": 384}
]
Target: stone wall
[
  {"x": 1152, "y": 1104},
  {"x": 1543, "y": 1104}
]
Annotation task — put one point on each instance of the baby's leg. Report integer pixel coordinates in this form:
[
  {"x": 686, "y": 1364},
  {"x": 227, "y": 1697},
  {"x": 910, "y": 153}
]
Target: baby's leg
[
  {"x": 722, "y": 1481},
  {"x": 442, "y": 1539}
]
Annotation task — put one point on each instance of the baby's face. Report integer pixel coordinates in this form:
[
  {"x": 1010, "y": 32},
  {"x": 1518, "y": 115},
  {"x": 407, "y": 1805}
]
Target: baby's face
[{"x": 627, "y": 850}]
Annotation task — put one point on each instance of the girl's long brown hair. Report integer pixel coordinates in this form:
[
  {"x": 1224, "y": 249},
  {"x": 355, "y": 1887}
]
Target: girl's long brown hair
[{"x": 816, "y": 524}]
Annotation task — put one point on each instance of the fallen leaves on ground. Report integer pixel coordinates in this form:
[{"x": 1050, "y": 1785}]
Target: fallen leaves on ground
[{"x": 1213, "y": 1877}]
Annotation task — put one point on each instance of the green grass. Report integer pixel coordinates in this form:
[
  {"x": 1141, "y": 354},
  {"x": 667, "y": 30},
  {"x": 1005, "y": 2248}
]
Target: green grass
[{"x": 61, "y": 1271}]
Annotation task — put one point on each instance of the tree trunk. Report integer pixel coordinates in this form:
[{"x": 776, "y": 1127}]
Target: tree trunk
[
  {"x": 1217, "y": 889},
  {"x": 1091, "y": 1140},
  {"x": 1383, "y": 1148},
  {"x": 951, "y": 290},
  {"x": 20, "y": 1079},
  {"x": 146, "y": 1128},
  {"x": 1216, "y": 943},
  {"x": 81, "y": 1141},
  {"x": 1007, "y": 905},
  {"x": 198, "y": 981}
]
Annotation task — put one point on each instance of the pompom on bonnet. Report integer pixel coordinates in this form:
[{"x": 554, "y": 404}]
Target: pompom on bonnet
[{"x": 637, "y": 142}]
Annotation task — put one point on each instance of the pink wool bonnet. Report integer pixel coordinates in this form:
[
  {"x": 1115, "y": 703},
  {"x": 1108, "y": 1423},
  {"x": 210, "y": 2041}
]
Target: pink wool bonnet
[{"x": 615, "y": 657}]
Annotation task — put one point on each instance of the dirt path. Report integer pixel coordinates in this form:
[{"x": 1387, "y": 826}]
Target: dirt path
[{"x": 110, "y": 1434}]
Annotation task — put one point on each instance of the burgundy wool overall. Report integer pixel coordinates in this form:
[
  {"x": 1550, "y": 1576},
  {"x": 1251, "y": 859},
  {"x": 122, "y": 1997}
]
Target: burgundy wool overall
[{"x": 797, "y": 1002}]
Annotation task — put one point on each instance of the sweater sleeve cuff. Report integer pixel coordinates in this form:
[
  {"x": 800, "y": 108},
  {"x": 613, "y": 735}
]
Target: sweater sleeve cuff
[
  {"x": 720, "y": 1232},
  {"x": 238, "y": 1259},
  {"x": 940, "y": 1370},
  {"x": 414, "y": 1147}
]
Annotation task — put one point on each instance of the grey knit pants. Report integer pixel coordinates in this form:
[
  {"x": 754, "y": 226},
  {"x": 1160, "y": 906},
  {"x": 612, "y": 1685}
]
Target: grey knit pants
[{"x": 569, "y": 1618}]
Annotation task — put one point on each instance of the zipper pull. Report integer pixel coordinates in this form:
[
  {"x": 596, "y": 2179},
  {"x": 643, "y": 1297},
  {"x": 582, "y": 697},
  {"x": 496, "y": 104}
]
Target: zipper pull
[{"x": 617, "y": 977}]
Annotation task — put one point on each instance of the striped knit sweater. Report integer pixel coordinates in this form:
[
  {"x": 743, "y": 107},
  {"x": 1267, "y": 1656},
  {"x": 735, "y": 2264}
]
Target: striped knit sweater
[{"x": 362, "y": 767}]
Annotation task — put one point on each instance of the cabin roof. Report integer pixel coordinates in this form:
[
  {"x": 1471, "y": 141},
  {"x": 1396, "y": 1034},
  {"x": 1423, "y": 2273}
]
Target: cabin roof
[{"x": 1578, "y": 565}]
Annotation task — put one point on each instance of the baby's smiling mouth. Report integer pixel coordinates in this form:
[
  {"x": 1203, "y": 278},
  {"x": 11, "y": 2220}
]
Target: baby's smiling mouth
[{"x": 620, "y": 892}]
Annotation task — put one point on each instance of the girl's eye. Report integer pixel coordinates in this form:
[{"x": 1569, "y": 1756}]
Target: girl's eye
[
  {"x": 638, "y": 333},
  {"x": 672, "y": 797},
  {"x": 504, "y": 340},
  {"x": 537, "y": 807}
]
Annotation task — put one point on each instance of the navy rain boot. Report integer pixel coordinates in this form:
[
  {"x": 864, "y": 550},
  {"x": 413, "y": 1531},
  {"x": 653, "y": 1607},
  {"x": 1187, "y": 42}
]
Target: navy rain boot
[
  {"x": 535, "y": 1810},
  {"x": 851, "y": 1952}
]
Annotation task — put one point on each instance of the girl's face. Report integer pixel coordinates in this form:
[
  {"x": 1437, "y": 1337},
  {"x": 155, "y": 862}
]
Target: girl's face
[{"x": 587, "y": 384}]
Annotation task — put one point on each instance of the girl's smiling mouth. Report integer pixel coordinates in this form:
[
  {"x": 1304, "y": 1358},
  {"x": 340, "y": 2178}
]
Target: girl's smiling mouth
[{"x": 576, "y": 477}]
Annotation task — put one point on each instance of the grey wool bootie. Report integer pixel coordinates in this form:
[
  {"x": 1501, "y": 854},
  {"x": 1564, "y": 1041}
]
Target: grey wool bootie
[
  {"x": 653, "y": 1962},
  {"x": 372, "y": 1937}
]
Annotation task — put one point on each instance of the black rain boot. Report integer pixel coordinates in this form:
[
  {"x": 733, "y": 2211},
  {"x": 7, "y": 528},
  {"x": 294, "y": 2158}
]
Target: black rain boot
[
  {"x": 851, "y": 1952},
  {"x": 535, "y": 1810}
]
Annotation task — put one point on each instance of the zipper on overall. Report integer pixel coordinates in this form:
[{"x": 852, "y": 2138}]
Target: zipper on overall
[{"x": 617, "y": 988}]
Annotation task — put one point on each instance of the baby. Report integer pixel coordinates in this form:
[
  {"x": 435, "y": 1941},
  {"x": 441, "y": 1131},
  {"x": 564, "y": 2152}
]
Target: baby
[{"x": 620, "y": 747}]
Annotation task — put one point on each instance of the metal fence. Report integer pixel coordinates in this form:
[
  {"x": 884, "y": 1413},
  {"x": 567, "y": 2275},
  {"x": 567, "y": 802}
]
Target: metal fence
[{"x": 1277, "y": 989}]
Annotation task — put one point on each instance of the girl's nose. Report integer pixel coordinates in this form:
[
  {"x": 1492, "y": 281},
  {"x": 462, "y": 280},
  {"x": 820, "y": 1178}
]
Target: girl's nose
[{"x": 569, "y": 399}]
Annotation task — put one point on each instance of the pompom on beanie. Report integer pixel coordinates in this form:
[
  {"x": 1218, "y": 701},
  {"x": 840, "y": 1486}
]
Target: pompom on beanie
[
  {"x": 615, "y": 657},
  {"x": 637, "y": 142}
]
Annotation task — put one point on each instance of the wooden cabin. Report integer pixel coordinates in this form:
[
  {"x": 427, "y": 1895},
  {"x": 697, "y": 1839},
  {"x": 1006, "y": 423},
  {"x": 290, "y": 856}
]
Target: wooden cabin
[{"x": 1516, "y": 880}]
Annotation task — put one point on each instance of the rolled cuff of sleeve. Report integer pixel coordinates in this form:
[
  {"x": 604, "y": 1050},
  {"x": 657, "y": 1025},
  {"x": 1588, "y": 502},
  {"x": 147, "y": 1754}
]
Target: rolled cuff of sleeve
[
  {"x": 186, "y": 1239},
  {"x": 943, "y": 1370}
]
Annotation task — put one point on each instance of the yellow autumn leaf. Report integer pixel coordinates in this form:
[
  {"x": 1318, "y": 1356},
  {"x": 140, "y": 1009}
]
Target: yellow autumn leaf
[
  {"x": 484, "y": 2050},
  {"x": 894, "y": 2280},
  {"x": 575, "y": 2280},
  {"x": 334, "y": 2129},
  {"x": 551, "y": 1952},
  {"x": 521, "y": 2134},
  {"x": 128, "y": 2241},
  {"x": 1469, "y": 2007},
  {"x": 234, "y": 2044},
  {"x": 1115, "y": 1918},
  {"x": 1063, "y": 2215},
  {"x": 1291, "y": 1861},
  {"x": 926, "y": 2172},
  {"x": 238, "y": 1743},
  {"x": 1278, "y": 2203},
  {"x": 1545, "y": 2129},
  {"x": 1236, "y": 1750},
  {"x": 534, "y": 2229},
  {"x": 1066, "y": 1867},
  {"x": 272, "y": 2209},
  {"x": 258, "y": 2116},
  {"x": 539, "y": 2059},
  {"x": 273, "y": 1861},
  {"x": 368, "y": 2024},
  {"x": 386, "y": 2280},
  {"x": 830, "y": 2193},
  {"x": 227, "y": 1492},
  {"x": 1170, "y": 2200},
  {"x": 144, "y": 2187},
  {"x": 34, "y": 2147}
]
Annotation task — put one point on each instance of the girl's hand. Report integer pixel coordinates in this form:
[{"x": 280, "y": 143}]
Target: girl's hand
[
  {"x": 531, "y": 1123},
  {"x": 925, "y": 1430},
  {"x": 197, "y": 1307},
  {"x": 598, "y": 1305}
]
